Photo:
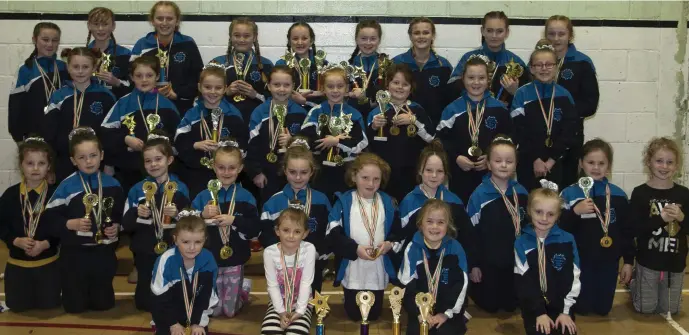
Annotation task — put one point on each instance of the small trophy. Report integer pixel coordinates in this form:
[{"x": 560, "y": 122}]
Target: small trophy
[
  {"x": 214, "y": 187},
  {"x": 396, "y": 296},
  {"x": 164, "y": 61},
  {"x": 512, "y": 70},
  {"x": 280, "y": 112},
  {"x": 319, "y": 57},
  {"x": 320, "y": 305},
  {"x": 108, "y": 204},
  {"x": 104, "y": 63},
  {"x": 365, "y": 301},
  {"x": 340, "y": 125},
  {"x": 129, "y": 123},
  {"x": 207, "y": 162},
  {"x": 322, "y": 123},
  {"x": 425, "y": 302},
  {"x": 90, "y": 200},
  {"x": 152, "y": 120},
  {"x": 216, "y": 116},
  {"x": 170, "y": 190},
  {"x": 239, "y": 69},
  {"x": 289, "y": 59},
  {"x": 383, "y": 98},
  {"x": 304, "y": 66},
  {"x": 384, "y": 63},
  {"x": 149, "y": 189},
  {"x": 586, "y": 184}
]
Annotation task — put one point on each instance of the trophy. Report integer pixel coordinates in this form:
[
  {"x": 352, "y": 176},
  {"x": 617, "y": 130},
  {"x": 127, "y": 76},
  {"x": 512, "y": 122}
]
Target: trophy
[
  {"x": 365, "y": 301},
  {"x": 396, "y": 296},
  {"x": 425, "y": 302},
  {"x": 108, "y": 204},
  {"x": 170, "y": 190},
  {"x": 103, "y": 63},
  {"x": 319, "y": 57},
  {"x": 289, "y": 59},
  {"x": 340, "y": 125},
  {"x": 586, "y": 184},
  {"x": 149, "y": 189},
  {"x": 304, "y": 66},
  {"x": 214, "y": 187},
  {"x": 384, "y": 63},
  {"x": 322, "y": 123},
  {"x": 383, "y": 98},
  {"x": 90, "y": 200},
  {"x": 216, "y": 116},
  {"x": 320, "y": 305},
  {"x": 280, "y": 112},
  {"x": 512, "y": 70},
  {"x": 152, "y": 120},
  {"x": 164, "y": 61},
  {"x": 129, "y": 123},
  {"x": 207, "y": 162},
  {"x": 239, "y": 69}
]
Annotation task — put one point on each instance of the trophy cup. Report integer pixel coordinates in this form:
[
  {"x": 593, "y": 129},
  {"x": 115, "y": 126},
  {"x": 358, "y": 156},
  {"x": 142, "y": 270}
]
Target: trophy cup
[
  {"x": 164, "y": 61},
  {"x": 216, "y": 114},
  {"x": 280, "y": 112},
  {"x": 320, "y": 305},
  {"x": 586, "y": 184},
  {"x": 152, "y": 120},
  {"x": 425, "y": 302},
  {"x": 103, "y": 64},
  {"x": 149, "y": 189},
  {"x": 319, "y": 57},
  {"x": 384, "y": 63},
  {"x": 170, "y": 190},
  {"x": 129, "y": 123},
  {"x": 383, "y": 98},
  {"x": 304, "y": 66},
  {"x": 396, "y": 296},
  {"x": 340, "y": 125},
  {"x": 512, "y": 70},
  {"x": 365, "y": 300},
  {"x": 90, "y": 200},
  {"x": 289, "y": 59},
  {"x": 214, "y": 187},
  {"x": 108, "y": 204},
  {"x": 239, "y": 69}
]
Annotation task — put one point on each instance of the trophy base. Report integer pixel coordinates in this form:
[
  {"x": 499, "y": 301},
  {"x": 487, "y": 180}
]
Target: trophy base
[
  {"x": 282, "y": 150},
  {"x": 304, "y": 90},
  {"x": 329, "y": 163},
  {"x": 162, "y": 84},
  {"x": 381, "y": 139},
  {"x": 364, "y": 329},
  {"x": 85, "y": 233}
]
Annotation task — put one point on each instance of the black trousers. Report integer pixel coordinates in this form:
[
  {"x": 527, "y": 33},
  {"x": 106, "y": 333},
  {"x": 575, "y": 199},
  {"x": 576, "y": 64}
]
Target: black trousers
[
  {"x": 598, "y": 283},
  {"x": 144, "y": 267},
  {"x": 530, "y": 324},
  {"x": 570, "y": 162},
  {"x": 453, "y": 326},
  {"x": 496, "y": 291},
  {"x": 330, "y": 179},
  {"x": 86, "y": 274},
  {"x": 32, "y": 288},
  {"x": 526, "y": 177},
  {"x": 352, "y": 309}
]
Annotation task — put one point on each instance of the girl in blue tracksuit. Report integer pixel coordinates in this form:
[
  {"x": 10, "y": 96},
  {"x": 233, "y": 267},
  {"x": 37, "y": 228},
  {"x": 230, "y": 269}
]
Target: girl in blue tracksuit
[
  {"x": 431, "y": 72},
  {"x": 367, "y": 35},
  {"x": 114, "y": 61},
  {"x": 434, "y": 262}
]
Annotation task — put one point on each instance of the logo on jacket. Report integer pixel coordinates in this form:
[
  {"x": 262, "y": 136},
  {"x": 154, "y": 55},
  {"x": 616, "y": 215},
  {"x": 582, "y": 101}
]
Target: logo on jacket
[
  {"x": 255, "y": 76},
  {"x": 444, "y": 275},
  {"x": 115, "y": 71},
  {"x": 557, "y": 114},
  {"x": 613, "y": 215},
  {"x": 224, "y": 132},
  {"x": 434, "y": 81},
  {"x": 567, "y": 74},
  {"x": 313, "y": 225},
  {"x": 96, "y": 107},
  {"x": 558, "y": 261},
  {"x": 491, "y": 122},
  {"x": 180, "y": 57},
  {"x": 294, "y": 128}
]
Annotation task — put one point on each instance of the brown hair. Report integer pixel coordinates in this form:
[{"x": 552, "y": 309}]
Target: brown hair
[
  {"x": 150, "y": 61},
  {"x": 212, "y": 71},
  {"x": 331, "y": 72},
  {"x": 564, "y": 19},
  {"x": 81, "y": 135},
  {"x": 597, "y": 144},
  {"x": 497, "y": 14},
  {"x": 400, "y": 68},
  {"x": 312, "y": 35},
  {"x": 36, "y": 144},
  {"x": 475, "y": 61},
  {"x": 435, "y": 148},
  {"x": 229, "y": 150},
  {"x": 499, "y": 140},
  {"x": 175, "y": 8},
  {"x": 299, "y": 152},
  {"x": 191, "y": 223},
  {"x": 37, "y": 31},
  {"x": 247, "y": 21},
  {"x": 98, "y": 15},
  {"x": 161, "y": 144},
  {"x": 368, "y": 158},
  {"x": 68, "y": 53},
  {"x": 361, "y": 25},
  {"x": 281, "y": 69},
  {"x": 542, "y": 43},
  {"x": 295, "y": 215},
  {"x": 437, "y": 204},
  {"x": 658, "y": 143},
  {"x": 546, "y": 193},
  {"x": 424, "y": 19}
]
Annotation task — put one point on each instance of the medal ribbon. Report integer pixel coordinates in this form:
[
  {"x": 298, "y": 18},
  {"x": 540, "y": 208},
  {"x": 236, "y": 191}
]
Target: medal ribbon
[
  {"x": 549, "y": 117},
  {"x": 189, "y": 305},
  {"x": 434, "y": 280},
  {"x": 604, "y": 221},
  {"x": 273, "y": 129},
  {"x": 54, "y": 83},
  {"x": 428, "y": 195},
  {"x": 77, "y": 107},
  {"x": 87, "y": 191},
  {"x": 512, "y": 209},
  {"x": 370, "y": 226},
  {"x": 366, "y": 79},
  {"x": 289, "y": 280},
  {"x": 475, "y": 122},
  {"x": 542, "y": 267},
  {"x": 141, "y": 110},
  {"x": 35, "y": 211},
  {"x": 559, "y": 68},
  {"x": 225, "y": 231},
  {"x": 157, "y": 216},
  {"x": 241, "y": 75}
]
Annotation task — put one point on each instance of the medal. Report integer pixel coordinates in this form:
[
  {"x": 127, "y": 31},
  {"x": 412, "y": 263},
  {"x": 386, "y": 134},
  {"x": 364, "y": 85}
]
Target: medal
[
  {"x": 475, "y": 151},
  {"x": 411, "y": 130},
  {"x": 373, "y": 252},
  {"x": 606, "y": 241},
  {"x": 226, "y": 252},
  {"x": 371, "y": 226},
  {"x": 474, "y": 127},
  {"x": 160, "y": 247},
  {"x": 187, "y": 331},
  {"x": 151, "y": 121},
  {"x": 188, "y": 304},
  {"x": 289, "y": 278},
  {"x": 207, "y": 162},
  {"x": 34, "y": 212},
  {"x": 672, "y": 228},
  {"x": 548, "y": 142},
  {"x": 433, "y": 279},
  {"x": 338, "y": 160},
  {"x": 272, "y": 157},
  {"x": 547, "y": 117},
  {"x": 394, "y": 130}
]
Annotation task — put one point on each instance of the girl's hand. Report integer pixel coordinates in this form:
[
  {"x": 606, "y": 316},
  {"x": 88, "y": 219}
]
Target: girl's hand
[
  {"x": 475, "y": 275},
  {"x": 134, "y": 143},
  {"x": 206, "y": 145},
  {"x": 539, "y": 168},
  {"x": 585, "y": 206},
  {"x": 168, "y": 92},
  {"x": 260, "y": 180},
  {"x": 170, "y": 210},
  {"x": 549, "y": 164},
  {"x": 362, "y": 252},
  {"x": 315, "y": 94},
  {"x": 544, "y": 324},
  {"x": 284, "y": 138},
  {"x": 626, "y": 274},
  {"x": 232, "y": 89},
  {"x": 298, "y": 98},
  {"x": 510, "y": 85},
  {"x": 210, "y": 211},
  {"x": 464, "y": 163},
  {"x": 481, "y": 164},
  {"x": 197, "y": 330},
  {"x": 355, "y": 93},
  {"x": 143, "y": 211},
  {"x": 384, "y": 248},
  {"x": 673, "y": 212},
  {"x": 24, "y": 243},
  {"x": 38, "y": 248},
  {"x": 224, "y": 220},
  {"x": 439, "y": 319},
  {"x": 109, "y": 170},
  {"x": 108, "y": 78},
  {"x": 246, "y": 89},
  {"x": 111, "y": 232},
  {"x": 284, "y": 320},
  {"x": 295, "y": 317},
  {"x": 79, "y": 224},
  {"x": 176, "y": 329},
  {"x": 378, "y": 121},
  {"x": 566, "y": 322},
  {"x": 328, "y": 141},
  {"x": 402, "y": 120}
]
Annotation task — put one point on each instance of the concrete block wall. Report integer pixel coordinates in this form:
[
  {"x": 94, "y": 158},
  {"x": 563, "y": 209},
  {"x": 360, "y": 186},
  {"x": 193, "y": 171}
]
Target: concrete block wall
[{"x": 642, "y": 72}]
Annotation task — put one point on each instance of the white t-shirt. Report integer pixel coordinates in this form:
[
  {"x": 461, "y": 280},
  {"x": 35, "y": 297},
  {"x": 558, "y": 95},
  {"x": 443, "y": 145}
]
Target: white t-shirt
[{"x": 275, "y": 276}]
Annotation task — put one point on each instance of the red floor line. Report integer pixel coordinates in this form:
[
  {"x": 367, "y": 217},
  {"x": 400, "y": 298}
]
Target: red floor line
[{"x": 82, "y": 326}]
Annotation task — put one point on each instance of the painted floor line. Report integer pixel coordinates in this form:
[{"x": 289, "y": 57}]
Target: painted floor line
[
  {"x": 83, "y": 326},
  {"x": 675, "y": 325}
]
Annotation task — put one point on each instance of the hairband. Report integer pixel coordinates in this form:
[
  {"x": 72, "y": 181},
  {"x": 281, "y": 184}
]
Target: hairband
[
  {"x": 483, "y": 58},
  {"x": 214, "y": 64},
  {"x": 332, "y": 66},
  {"x": 300, "y": 142},
  {"x": 156, "y": 136},
  {"x": 34, "y": 139},
  {"x": 549, "y": 185},
  {"x": 228, "y": 143},
  {"x": 545, "y": 47},
  {"x": 500, "y": 138},
  {"x": 297, "y": 205},
  {"x": 78, "y": 130},
  {"x": 188, "y": 212}
]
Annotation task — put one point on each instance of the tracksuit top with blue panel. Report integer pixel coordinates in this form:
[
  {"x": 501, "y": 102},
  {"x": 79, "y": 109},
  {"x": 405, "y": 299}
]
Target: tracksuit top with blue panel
[
  {"x": 66, "y": 204},
  {"x": 350, "y": 147},
  {"x": 344, "y": 247},
  {"x": 143, "y": 229},
  {"x": 453, "y": 283},
  {"x": 493, "y": 223},
  {"x": 501, "y": 58},
  {"x": 414, "y": 200},
  {"x": 578, "y": 76},
  {"x": 562, "y": 272},
  {"x": 254, "y": 76},
  {"x": 246, "y": 224},
  {"x": 167, "y": 307},
  {"x": 530, "y": 125},
  {"x": 587, "y": 229},
  {"x": 27, "y": 101},
  {"x": 313, "y": 79},
  {"x": 59, "y": 117},
  {"x": 119, "y": 66},
  {"x": 259, "y": 136},
  {"x": 12, "y": 224},
  {"x": 432, "y": 91},
  {"x": 318, "y": 217},
  {"x": 185, "y": 65},
  {"x": 371, "y": 67},
  {"x": 114, "y": 131},
  {"x": 398, "y": 150}
]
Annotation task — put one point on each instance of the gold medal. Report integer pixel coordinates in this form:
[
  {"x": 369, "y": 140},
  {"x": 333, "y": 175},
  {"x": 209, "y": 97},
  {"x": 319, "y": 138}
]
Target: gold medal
[
  {"x": 238, "y": 98},
  {"x": 606, "y": 241},
  {"x": 226, "y": 252},
  {"x": 373, "y": 252},
  {"x": 205, "y": 161},
  {"x": 160, "y": 247},
  {"x": 475, "y": 151},
  {"x": 394, "y": 130},
  {"x": 338, "y": 160},
  {"x": 99, "y": 237},
  {"x": 411, "y": 130},
  {"x": 672, "y": 228},
  {"x": 272, "y": 157},
  {"x": 548, "y": 142},
  {"x": 187, "y": 331}
]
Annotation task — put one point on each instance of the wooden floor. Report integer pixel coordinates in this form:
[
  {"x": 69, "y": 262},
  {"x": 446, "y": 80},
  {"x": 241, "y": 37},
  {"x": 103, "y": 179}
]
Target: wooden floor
[{"x": 125, "y": 319}]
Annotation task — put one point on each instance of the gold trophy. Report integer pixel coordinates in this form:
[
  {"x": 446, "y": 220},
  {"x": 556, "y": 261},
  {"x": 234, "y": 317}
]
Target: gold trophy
[
  {"x": 365, "y": 301},
  {"x": 170, "y": 190},
  {"x": 280, "y": 112},
  {"x": 239, "y": 69},
  {"x": 103, "y": 63},
  {"x": 89, "y": 200},
  {"x": 320, "y": 305},
  {"x": 512, "y": 70},
  {"x": 396, "y": 296},
  {"x": 164, "y": 59},
  {"x": 673, "y": 227},
  {"x": 152, "y": 120},
  {"x": 384, "y": 63},
  {"x": 340, "y": 125},
  {"x": 129, "y": 123},
  {"x": 289, "y": 59},
  {"x": 214, "y": 187},
  {"x": 425, "y": 302},
  {"x": 216, "y": 116},
  {"x": 149, "y": 189},
  {"x": 383, "y": 98},
  {"x": 319, "y": 57},
  {"x": 108, "y": 204},
  {"x": 304, "y": 65},
  {"x": 586, "y": 184}
]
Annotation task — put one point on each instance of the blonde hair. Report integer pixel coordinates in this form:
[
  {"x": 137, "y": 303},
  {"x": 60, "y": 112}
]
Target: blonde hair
[
  {"x": 436, "y": 204},
  {"x": 295, "y": 215},
  {"x": 331, "y": 72},
  {"x": 191, "y": 223},
  {"x": 658, "y": 143},
  {"x": 364, "y": 159},
  {"x": 545, "y": 193}
]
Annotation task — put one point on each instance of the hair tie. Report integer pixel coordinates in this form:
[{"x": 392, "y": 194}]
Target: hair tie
[
  {"x": 156, "y": 136},
  {"x": 34, "y": 139},
  {"x": 545, "y": 47},
  {"x": 188, "y": 212},
  {"x": 297, "y": 205},
  {"x": 331, "y": 67},
  {"x": 549, "y": 185},
  {"x": 228, "y": 143},
  {"x": 300, "y": 142},
  {"x": 500, "y": 138},
  {"x": 214, "y": 64},
  {"x": 80, "y": 130}
]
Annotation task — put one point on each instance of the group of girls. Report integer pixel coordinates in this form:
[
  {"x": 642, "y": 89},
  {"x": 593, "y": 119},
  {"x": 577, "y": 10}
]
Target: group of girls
[{"x": 298, "y": 138}]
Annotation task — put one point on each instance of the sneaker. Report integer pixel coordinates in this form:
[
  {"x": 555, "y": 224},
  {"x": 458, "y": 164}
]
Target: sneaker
[{"x": 133, "y": 277}]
